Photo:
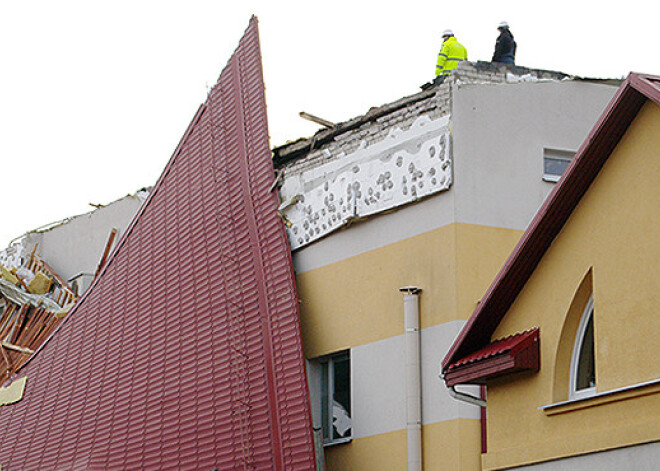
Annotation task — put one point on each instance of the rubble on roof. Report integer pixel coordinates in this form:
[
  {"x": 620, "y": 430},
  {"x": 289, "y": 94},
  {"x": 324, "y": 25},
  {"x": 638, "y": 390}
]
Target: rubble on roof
[
  {"x": 73, "y": 246},
  {"x": 33, "y": 301}
]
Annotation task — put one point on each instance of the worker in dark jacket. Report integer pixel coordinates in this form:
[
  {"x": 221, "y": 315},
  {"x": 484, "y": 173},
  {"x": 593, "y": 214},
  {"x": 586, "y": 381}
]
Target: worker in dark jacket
[{"x": 505, "y": 46}]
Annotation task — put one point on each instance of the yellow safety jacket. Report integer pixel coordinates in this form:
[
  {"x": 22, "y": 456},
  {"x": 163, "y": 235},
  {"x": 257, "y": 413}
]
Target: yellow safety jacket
[{"x": 450, "y": 55}]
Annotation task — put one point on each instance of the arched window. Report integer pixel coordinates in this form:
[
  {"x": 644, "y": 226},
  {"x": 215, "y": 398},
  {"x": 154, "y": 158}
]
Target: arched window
[{"x": 583, "y": 365}]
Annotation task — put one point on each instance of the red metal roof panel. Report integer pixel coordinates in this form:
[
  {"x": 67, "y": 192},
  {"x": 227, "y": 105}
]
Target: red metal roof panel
[{"x": 173, "y": 358}]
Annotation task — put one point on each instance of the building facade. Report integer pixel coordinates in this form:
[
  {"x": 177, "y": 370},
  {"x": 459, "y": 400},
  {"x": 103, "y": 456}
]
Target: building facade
[
  {"x": 583, "y": 280},
  {"x": 428, "y": 194}
]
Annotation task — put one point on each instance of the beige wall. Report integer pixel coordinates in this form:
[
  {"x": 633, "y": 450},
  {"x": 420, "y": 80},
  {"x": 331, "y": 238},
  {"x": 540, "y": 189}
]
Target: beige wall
[
  {"x": 357, "y": 300},
  {"x": 355, "y": 303},
  {"x": 611, "y": 241},
  {"x": 446, "y": 445}
]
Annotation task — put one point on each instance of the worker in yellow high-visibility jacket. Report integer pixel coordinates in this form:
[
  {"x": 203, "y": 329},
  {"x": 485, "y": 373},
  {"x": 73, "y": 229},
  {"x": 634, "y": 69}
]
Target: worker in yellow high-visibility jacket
[{"x": 450, "y": 55}]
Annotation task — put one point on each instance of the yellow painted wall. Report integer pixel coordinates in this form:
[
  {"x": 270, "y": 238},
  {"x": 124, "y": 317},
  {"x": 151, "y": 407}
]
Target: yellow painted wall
[
  {"x": 453, "y": 444},
  {"x": 615, "y": 233},
  {"x": 357, "y": 301}
]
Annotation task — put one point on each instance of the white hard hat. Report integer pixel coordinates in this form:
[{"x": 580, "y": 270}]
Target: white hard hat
[
  {"x": 447, "y": 32},
  {"x": 503, "y": 24}
]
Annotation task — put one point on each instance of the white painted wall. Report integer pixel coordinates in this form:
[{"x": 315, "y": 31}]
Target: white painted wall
[
  {"x": 378, "y": 396},
  {"x": 77, "y": 246},
  {"x": 499, "y": 134}
]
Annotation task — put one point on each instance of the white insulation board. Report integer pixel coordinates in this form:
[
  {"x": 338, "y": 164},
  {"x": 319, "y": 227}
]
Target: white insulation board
[{"x": 404, "y": 167}]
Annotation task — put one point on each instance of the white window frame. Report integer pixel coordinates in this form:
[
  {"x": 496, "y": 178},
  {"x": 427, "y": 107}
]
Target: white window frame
[
  {"x": 556, "y": 154},
  {"x": 574, "y": 393},
  {"x": 330, "y": 361}
]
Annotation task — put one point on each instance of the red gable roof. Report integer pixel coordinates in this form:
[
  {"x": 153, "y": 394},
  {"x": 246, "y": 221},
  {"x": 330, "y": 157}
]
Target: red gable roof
[
  {"x": 554, "y": 213},
  {"x": 186, "y": 352}
]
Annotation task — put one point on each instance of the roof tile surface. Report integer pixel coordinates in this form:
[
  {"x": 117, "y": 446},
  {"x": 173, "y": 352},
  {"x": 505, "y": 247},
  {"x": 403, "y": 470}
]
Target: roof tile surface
[{"x": 186, "y": 352}]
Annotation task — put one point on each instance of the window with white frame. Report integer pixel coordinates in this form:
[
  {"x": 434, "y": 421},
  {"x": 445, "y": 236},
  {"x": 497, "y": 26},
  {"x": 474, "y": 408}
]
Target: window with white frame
[
  {"x": 555, "y": 162},
  {"x": 335, "y": 394},
  {"x": 583, "y": 364}
]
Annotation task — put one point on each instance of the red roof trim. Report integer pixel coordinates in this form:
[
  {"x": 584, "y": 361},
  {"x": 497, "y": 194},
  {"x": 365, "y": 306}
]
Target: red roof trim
[
  {"x": 554, "y": 213},
  {"x": 497, "y": 347},
  {"x": 519, "y": 352}
]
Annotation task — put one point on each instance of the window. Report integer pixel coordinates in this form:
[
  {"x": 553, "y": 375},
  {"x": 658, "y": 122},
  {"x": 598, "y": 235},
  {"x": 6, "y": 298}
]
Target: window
[
  {"x": 583, "y": 365},
  {"x": 555, "y": 163},
  {"x": 335, "y": 395}
]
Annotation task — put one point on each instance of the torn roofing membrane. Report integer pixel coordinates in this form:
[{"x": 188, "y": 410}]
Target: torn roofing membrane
[{"x": 186, "y": 351}]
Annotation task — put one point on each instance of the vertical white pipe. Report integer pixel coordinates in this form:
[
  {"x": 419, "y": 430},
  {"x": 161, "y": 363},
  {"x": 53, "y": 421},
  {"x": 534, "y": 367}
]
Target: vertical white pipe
[{"x": 413, "y": 377}]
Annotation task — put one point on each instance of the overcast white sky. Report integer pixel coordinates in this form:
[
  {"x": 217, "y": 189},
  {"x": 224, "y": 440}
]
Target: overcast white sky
[{"x": 95, "y": 95}]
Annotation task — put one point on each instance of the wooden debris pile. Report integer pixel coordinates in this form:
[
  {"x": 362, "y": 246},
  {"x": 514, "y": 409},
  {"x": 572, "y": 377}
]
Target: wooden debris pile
[{"x": 33, "y": 301}]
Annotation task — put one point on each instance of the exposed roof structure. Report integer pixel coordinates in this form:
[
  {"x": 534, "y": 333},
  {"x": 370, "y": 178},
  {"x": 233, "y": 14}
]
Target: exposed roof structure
[
  {"x": 299, "y": 148},
  {"x": 394, "y": 155},
  {"x": 185, "y": 353},
  {"x": 636, "y": 90},
  {"x": 33, "y": 301}
]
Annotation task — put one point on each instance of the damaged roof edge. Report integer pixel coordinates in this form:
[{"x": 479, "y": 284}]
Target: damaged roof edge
[
  {"x": 292, "y": 150},
  {"x": 295, "y": 149},
  {"x": 55, "y": 224}
]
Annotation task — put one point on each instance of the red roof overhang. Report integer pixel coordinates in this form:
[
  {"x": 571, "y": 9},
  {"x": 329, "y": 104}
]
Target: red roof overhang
[
  {"x": 554, "y": 213},
  {"x": 519, "y": 352}
]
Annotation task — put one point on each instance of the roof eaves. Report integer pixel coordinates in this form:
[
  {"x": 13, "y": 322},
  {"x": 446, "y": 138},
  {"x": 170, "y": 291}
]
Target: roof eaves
[
  {"x": 648, "y": 85},
  {"x": 513, "y": 354}
]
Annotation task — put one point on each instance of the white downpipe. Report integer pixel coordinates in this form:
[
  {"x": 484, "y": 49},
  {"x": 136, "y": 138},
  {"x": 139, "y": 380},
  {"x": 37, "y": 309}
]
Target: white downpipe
[
  {"x": 413, "y": 377},
  {"x": 459, "y": 396}
]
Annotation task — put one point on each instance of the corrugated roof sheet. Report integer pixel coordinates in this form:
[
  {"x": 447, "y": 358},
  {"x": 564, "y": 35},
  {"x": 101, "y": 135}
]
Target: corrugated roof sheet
[
  {"x": 186, "y": 352},
  {"x": 496, "y": 347}
]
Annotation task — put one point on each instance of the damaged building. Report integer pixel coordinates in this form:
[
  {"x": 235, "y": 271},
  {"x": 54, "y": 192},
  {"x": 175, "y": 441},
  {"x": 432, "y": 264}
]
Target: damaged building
[
  {"x": 185, "y": 351},
  {"x": 33, "y": 301},
  {"x": 45, "y": 271},
  {"x": 75, "y": 246},
  {"x": 398, "y": 221},
  {"x": 189, "y": 352}
]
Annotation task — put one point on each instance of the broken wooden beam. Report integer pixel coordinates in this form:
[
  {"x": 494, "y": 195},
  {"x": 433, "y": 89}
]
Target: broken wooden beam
[
  {"x": 16, "y": 348},
  {"x": 106, "y": 252}
]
